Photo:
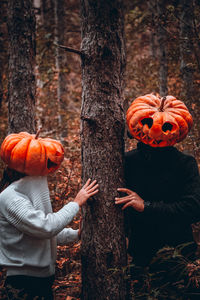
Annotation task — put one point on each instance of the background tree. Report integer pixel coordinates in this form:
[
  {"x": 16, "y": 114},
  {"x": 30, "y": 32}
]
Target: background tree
[
  {"x": 61, "y": 58},
  {"x": 103, "y": 240},
  {"x": 187, "y": 60},
  {"x": 162, "y": 45},
  {"x": 187, "y": 65},
  {"x": 47, "y": 15},
  {"x": 3, "y": 48},
  {"x": 152, "y": 40},
  {"x": 21, "y": 87}
]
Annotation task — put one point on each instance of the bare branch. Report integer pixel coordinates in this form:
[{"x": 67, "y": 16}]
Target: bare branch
[{"x": 70, "y": 49}]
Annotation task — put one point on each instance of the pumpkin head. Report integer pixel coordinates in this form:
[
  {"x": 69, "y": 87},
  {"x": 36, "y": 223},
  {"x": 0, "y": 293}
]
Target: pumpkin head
[
  {"x": 158, "y": 122},
  {"x": 26, "y": 153}
]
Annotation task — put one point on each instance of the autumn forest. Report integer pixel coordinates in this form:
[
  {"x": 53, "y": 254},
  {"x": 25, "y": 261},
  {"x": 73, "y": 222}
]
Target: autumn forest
[{"x": 71, "y": 69}]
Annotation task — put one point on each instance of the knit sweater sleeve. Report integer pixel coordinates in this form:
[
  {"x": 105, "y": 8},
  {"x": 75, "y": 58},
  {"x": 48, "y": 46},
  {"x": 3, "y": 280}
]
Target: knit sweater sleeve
[
  {"x": 21, "y": 214},
  {"x": 66, "y": 236},
  {"x": 187, "y": 206}
]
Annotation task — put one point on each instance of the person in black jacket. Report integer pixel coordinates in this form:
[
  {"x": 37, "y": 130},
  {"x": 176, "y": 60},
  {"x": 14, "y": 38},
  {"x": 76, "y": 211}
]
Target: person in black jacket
[{"x": 162, "y": 199}]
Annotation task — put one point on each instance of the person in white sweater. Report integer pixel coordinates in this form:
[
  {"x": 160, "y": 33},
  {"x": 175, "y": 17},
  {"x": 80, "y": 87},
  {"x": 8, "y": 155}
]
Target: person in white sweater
[{"x": 30, "y": 232}]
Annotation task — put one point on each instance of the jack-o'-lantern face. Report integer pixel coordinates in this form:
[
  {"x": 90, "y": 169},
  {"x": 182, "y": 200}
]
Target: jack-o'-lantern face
[
  {"x": 158, "y": 122},
  {"x": 28, "y": 154}
]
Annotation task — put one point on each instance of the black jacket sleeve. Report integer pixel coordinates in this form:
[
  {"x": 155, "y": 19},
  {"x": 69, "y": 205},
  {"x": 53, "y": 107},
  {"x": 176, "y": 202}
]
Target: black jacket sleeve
[{"x": 185, "y": 208}]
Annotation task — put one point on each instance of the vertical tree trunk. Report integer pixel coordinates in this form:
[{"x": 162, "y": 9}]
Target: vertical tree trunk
[
  {"x": 3, "y": 48},
  {"x": 152, "y": 9},
  {"x": 162, "y": 47},
  {"x": 186, "y": 56},
  {"x": 47, "y": 14},
  {"x": 187, "y": 66},
  {"x": 21, "y": 87},
  {"x": 61, "y": 59},
  {"x": 103, "y": 239}
]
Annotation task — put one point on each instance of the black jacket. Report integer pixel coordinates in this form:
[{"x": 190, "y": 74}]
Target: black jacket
[{"x": 168, "y": 181}]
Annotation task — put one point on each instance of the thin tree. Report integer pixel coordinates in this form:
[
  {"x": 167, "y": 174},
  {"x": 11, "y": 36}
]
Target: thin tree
[
  {"x": 21, "y": 86},
  {"x": 162, "y": 46},
  {"x": 61, "y": 59},
  {"x": 187, "y": 66},
  {"x": 47, "y": 15},
  {"x": 103, "y": 64},
  {"x": 3, "y": 47},
  {"x": 151, "y": 4}
]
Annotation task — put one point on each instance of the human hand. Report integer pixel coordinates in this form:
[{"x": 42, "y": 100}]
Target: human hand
[
  {"x": 132, "y": 200},
  {"x": 87, "y": 191}
]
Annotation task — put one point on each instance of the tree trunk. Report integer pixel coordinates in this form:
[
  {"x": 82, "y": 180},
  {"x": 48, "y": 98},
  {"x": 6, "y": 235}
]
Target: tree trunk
[
  {"x": 187, "y": 66},
  {"x": 3, "y": 49},
  {"x": 61, "y": 60},
  {"x": 47, "y": 14},
  {"x": 162, "y": 47},
  {"x": 152, "y": 10},
  {"x": 187, "y": 63},
  {"x": 103, "y": 63},
  {"x": 21, "y": 87}
]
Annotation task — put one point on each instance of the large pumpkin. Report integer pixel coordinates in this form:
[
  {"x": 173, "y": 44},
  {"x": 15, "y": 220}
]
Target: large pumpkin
[
  {"x": 158, "y": 122},
  {"x": 26, "y": 153}
]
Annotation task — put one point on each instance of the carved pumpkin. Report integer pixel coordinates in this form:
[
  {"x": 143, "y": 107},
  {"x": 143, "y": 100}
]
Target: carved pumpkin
[
  {"x": 26, "y": 153},
  {"x": 158, "y": 122}
]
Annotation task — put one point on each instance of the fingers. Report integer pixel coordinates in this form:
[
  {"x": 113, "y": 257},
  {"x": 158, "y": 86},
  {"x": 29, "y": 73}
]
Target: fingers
[
  {"x": 91, "y": 184},
  {"x": 87, "y": 183},
  {"x": 124, "y": 199},
  {"x": 127, "y": 205},
  {"x": 92, "y": 189},
  {"x": 93, "y": 193},
  {"x": 124, "y": 190}
]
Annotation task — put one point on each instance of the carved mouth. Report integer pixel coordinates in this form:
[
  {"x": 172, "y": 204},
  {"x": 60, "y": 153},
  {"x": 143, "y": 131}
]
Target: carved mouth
[{"x": 50, "y": 164}]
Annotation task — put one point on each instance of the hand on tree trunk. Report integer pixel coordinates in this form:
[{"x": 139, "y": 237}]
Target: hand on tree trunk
[{"x": 87, "y": 191}]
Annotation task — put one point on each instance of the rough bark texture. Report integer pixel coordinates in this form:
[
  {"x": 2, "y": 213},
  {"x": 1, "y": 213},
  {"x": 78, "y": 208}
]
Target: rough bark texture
[
  {"x": 187, "y": 66},
  {"x": 162, "y": 48},
  {"x": 61, "y": 58},
  {"x": 47, "y": 15},
  {"x": 187, "y": 62},
  {"x": 21, "y": 88},
  {"x": 102, "y": 132},
  {"x": 152, "y": 11},
  {"x": 3, "y": 47}
]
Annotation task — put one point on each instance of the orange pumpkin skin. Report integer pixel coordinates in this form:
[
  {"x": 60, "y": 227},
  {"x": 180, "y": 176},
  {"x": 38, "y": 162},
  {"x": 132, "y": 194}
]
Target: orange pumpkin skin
[
  {"x": 158, "y": 122},
  {"x": 33, "y": 156}
]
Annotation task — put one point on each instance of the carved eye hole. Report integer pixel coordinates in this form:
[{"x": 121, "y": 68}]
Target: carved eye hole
[
  {"x": 167, "y": 126},
  {"x": 50, "y": 164},
  {"x": 147, "y": 121}
]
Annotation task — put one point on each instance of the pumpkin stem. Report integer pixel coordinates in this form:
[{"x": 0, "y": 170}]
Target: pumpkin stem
[
  {"x": 37, "y": 134},
  {"x": 162, "y": 103}
]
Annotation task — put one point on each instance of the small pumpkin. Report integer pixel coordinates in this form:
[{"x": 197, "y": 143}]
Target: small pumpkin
[
  {"x": 158, "y": 122},
  {"x": 29, "y": 154}
]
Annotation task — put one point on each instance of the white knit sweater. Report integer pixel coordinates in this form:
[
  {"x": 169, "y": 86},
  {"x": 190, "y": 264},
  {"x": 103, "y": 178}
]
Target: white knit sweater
[{"x": 29, "y": 230}]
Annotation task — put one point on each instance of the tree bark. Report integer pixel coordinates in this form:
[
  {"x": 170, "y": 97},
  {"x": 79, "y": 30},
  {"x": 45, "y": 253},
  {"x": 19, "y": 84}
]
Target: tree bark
[
  {"x": 187, "y": 66},
  {"x": 153, "y": 12},
  {"x": 21, "y": 87},
  {"x": 3, "y": 49},
  {"x": 162, "y": 47},
  {"x": 61, "y": 60},
  {"x": 47, "y": 14},
  {"x": 102, "y": 135}
]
